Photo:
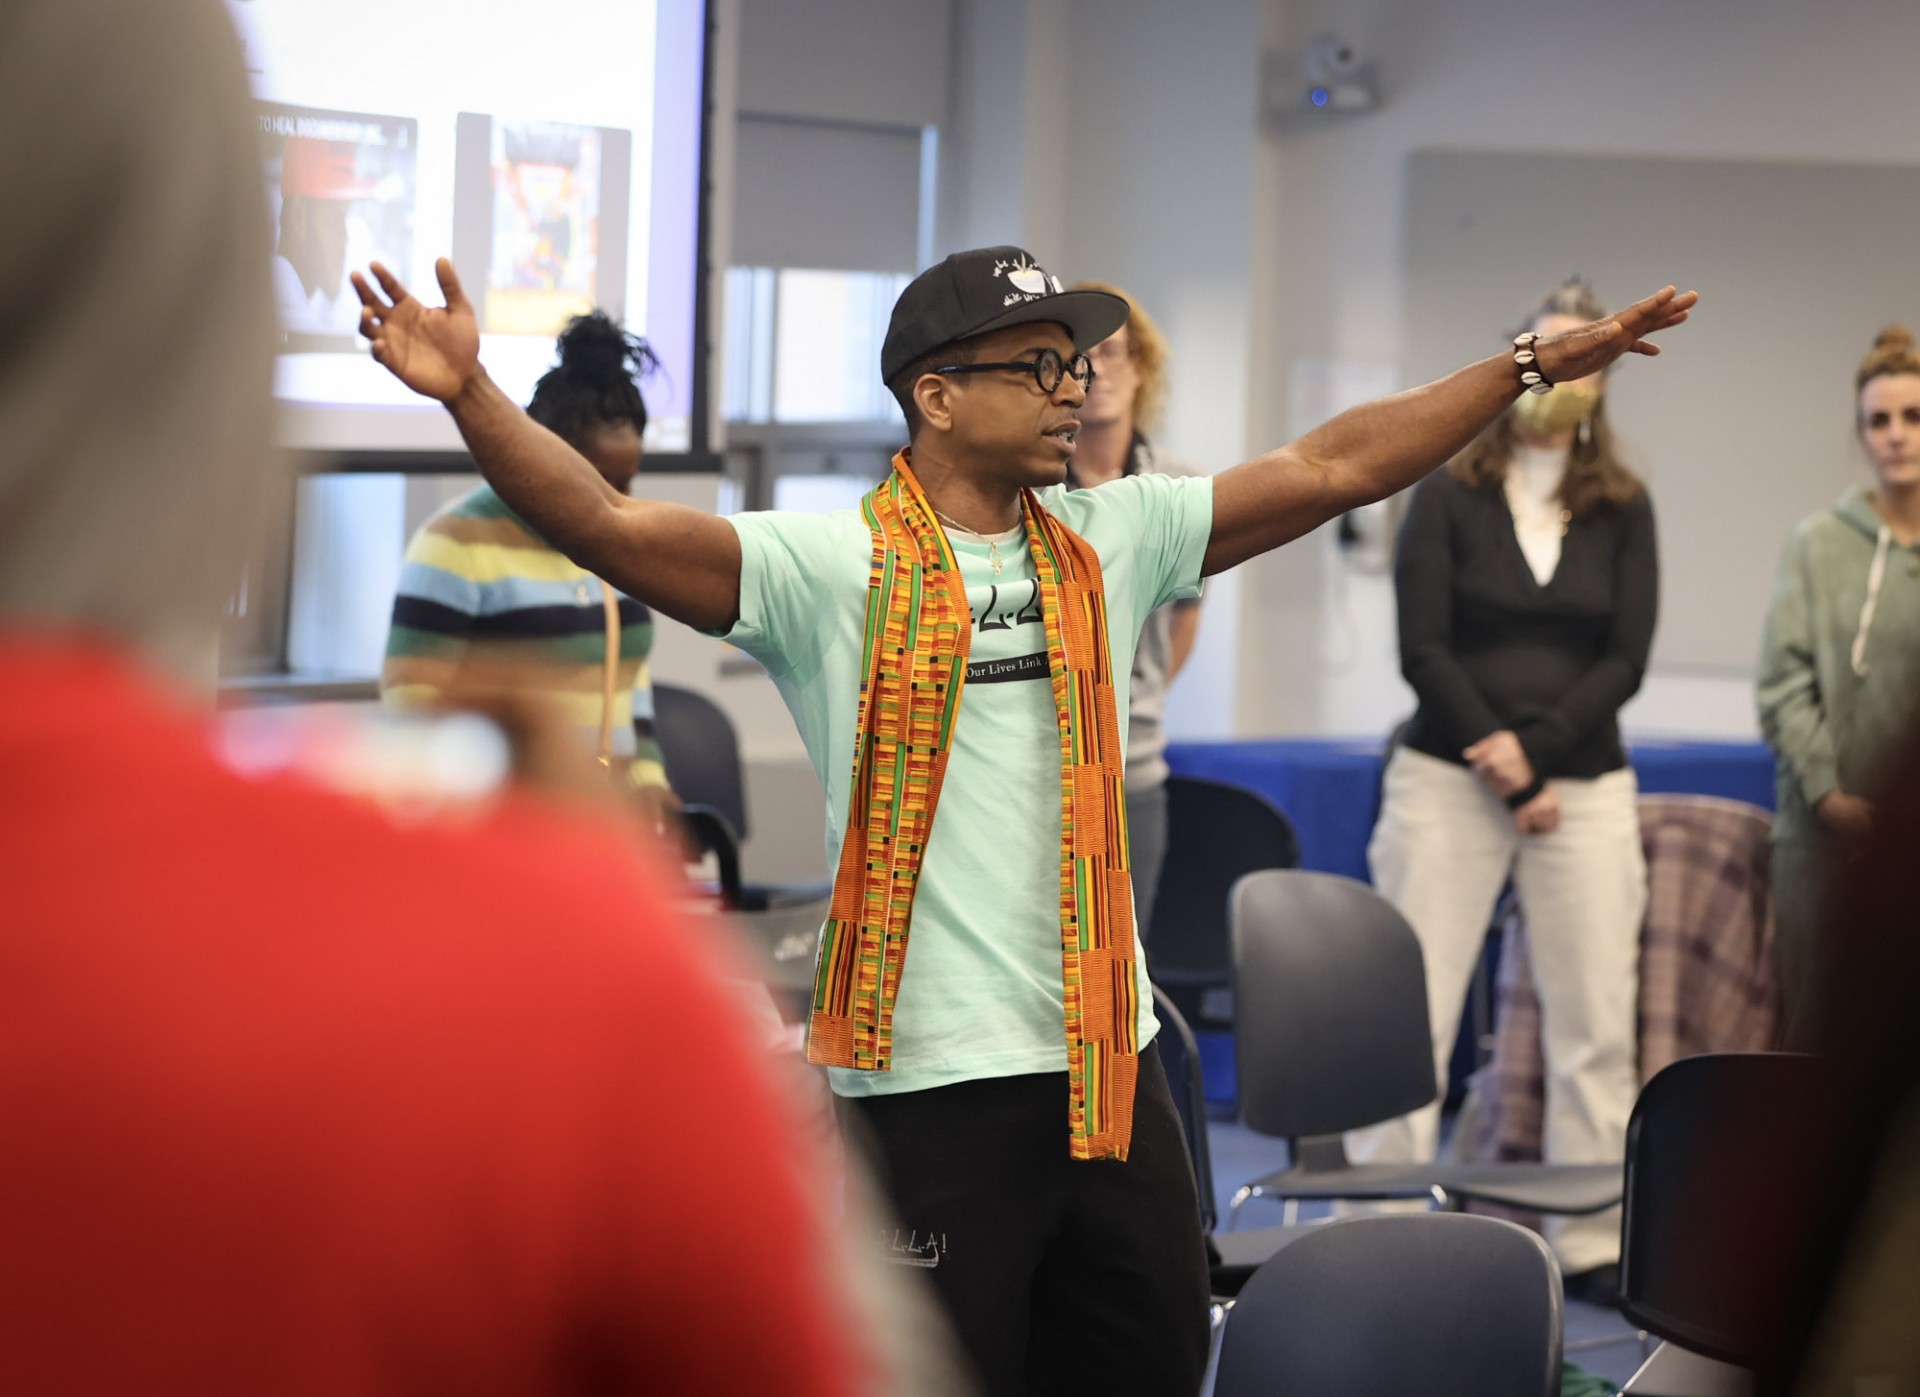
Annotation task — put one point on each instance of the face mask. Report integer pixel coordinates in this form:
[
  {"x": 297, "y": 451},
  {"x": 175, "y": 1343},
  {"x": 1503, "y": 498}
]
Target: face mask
[{"x": 1560, "y": 409}]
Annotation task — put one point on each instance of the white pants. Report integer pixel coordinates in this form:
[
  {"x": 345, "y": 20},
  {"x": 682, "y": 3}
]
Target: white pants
[{"x": 1441, "y": 853}]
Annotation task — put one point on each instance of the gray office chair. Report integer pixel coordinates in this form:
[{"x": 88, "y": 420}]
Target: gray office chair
[
  {"x": 1232, "y": 1257},
  {"x": 1440, "y": 1304},
  {"x": 700, "y": 753},
  {"x": 1332, "y": 1035},
  {"x": 1215, "y": 833},
  {"x": 702, "y": 760},
  {"x": 1720, "y": 1167}
]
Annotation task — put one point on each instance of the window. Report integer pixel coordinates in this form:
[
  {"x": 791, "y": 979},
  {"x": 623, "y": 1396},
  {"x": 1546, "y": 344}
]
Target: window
[
  {"x": 321, "y": 607},
  {"x": 819, "y": 494},
  {"x": 803, "y": 345},
  {"x": 831, "y": 220}
]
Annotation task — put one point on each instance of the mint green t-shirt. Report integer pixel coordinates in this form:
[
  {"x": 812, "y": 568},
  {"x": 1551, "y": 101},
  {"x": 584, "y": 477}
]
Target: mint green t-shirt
[{"x": 980, "y": 993}]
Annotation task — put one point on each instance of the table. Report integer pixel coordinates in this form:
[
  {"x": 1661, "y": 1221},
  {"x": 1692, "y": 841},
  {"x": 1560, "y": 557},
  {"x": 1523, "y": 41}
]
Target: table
[{"x": 1330, "y": 787}]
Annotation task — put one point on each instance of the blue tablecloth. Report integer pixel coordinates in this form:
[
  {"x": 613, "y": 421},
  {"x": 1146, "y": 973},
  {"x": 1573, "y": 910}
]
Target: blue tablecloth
[{"x": 1330, "y": 787}]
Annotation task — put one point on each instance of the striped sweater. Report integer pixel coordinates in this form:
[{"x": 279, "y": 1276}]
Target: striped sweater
[{"x": 484, "y": 601}]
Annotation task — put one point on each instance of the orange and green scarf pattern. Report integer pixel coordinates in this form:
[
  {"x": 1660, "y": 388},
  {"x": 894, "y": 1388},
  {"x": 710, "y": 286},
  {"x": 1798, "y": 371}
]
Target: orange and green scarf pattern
[{"x": 914, "y": 667}]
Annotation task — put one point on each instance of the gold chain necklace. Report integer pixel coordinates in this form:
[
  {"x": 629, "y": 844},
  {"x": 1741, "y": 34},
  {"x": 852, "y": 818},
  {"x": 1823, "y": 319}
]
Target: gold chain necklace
[{"x": 994, "y": 560}]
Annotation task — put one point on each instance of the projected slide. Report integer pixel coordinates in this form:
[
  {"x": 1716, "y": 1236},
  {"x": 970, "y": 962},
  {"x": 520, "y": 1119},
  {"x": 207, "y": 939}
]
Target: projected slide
[
  {"x": 341, "y": 188},
  {"x": 552, "y": 152},
  {"x": 542, "y": 207}
]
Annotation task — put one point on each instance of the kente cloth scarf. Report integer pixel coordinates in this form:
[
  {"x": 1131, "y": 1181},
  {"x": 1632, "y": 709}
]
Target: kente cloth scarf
[{"x": 914, "y": 665}]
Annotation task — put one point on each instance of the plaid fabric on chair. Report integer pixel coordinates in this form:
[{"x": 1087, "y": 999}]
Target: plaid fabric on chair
[{"x": 1706, "y": 965}]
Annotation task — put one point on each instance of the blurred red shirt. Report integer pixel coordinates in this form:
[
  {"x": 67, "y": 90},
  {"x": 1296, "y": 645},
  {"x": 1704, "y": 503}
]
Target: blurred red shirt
[{"x": 296, "y": 1099}]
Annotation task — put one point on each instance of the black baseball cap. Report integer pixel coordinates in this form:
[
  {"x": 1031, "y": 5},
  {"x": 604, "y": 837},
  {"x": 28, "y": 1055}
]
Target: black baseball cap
[{"x": 990, "y": 288}]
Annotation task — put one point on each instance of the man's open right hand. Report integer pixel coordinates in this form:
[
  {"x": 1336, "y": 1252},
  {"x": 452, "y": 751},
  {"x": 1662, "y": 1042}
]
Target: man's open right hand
[{"x": 434, "y": 351}]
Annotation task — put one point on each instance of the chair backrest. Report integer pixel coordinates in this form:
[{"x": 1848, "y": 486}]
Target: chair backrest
[
  {"x": 1180, "y": 1056},
  {"x": 1721, "y": 1167},
  {"x": 700, "y": 752},
  {"x": 1215, "y": 834},
  {"x": 1440, "y": 1304},
  {"x": 1330, "y": 1005}
]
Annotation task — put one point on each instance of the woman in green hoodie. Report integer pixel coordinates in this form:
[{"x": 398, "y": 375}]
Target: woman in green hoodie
[{"x": 1840, "y": 671}]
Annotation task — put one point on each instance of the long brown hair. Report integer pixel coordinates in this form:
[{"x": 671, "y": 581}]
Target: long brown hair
[{"x": 1595, "y": 474}]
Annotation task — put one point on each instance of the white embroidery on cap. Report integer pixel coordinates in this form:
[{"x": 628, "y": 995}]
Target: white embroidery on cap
[{"x": 1028, "y": 281}]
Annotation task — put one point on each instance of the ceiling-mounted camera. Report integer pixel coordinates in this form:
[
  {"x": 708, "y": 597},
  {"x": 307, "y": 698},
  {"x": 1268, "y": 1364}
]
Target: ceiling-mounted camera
[
  {"x": 1331, "y": 58},
  {"x": 1329, "y": 78}
]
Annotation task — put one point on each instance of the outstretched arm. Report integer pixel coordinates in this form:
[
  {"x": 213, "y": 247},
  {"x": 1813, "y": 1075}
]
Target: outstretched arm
[
  {"x": 1380, "y": 448},
  {"x": 683, "y": 562}
]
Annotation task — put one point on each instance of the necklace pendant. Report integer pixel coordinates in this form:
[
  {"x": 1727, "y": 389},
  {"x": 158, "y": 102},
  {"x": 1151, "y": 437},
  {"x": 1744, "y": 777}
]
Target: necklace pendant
[{"x": 993, "y": 558}]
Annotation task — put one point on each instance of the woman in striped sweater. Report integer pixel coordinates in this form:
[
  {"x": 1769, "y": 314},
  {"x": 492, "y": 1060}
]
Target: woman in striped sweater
[{"x": 486, "y": 606}]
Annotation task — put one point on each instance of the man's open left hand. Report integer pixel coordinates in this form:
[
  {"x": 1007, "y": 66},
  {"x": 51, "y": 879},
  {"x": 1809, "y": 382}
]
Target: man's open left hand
[{"x": 1591, "y": 348}]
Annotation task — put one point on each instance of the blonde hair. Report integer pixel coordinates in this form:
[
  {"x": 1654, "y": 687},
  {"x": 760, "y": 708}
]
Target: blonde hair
[
  {"x": 1148, "y": 348},
  {"x": 1595, "y": 474},
  {"x": 135, "y": 278},
  {"x": 1893, "y": 352}
]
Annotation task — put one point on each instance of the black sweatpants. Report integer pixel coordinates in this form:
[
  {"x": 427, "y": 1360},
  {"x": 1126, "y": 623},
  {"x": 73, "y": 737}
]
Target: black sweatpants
[{"x": 1060, "y": 1276}]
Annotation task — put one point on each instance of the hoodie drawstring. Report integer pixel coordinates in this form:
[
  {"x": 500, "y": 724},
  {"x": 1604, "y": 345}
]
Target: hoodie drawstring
[{"x": 1874, "y": 575}]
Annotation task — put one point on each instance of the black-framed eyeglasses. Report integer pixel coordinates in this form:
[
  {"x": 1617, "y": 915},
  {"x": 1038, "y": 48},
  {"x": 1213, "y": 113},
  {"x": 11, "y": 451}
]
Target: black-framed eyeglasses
[{"x": 1047, "y": 368}]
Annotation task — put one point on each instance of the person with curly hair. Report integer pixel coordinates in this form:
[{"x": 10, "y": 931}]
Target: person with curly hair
[
  {"x": 484, "y": 602},
  {"x": 1124, "y": 403}
]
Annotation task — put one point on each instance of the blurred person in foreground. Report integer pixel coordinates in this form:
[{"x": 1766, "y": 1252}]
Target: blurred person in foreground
[
  {"x": 294, "y": 1098},
  {"x": 1124, "y": 402},
  {"x": 1527, "y": 582},
  {"x": 1855, "y": 1290},
  {"x": 1813, "y": 1270},
  {"x": 1840, "y": 666},
  {"x": 484, "y": 602}
]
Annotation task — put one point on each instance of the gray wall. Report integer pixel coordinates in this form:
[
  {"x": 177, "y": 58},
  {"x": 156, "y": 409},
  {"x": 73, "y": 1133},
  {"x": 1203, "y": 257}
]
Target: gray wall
[
  {"x": 1744, "y": 424},
  {"x": 1769, "y": 81},
  {"x": 877, "y": 62},
  {"x": 1124, "y": 139}
]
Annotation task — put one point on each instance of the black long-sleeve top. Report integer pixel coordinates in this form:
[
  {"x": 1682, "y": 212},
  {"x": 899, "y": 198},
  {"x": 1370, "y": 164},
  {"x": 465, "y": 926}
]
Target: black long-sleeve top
[{"x": 1486, "y": 647}]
